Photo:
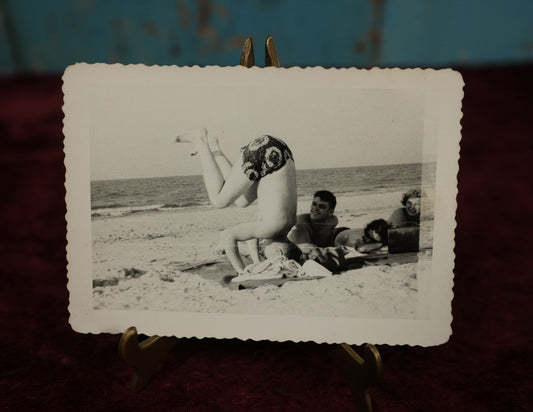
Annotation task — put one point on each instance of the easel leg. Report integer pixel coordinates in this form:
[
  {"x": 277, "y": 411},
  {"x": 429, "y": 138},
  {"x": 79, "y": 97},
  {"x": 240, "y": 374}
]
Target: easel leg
[
  {"x": 361, "y": 373},
  {"x": 143, "y": 357}
]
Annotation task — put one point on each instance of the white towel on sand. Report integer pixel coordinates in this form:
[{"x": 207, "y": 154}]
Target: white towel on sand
[{"x": 275, "y": 267}]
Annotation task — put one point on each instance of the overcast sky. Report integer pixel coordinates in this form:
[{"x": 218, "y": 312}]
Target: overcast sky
[{"x": 132, "y": 127}]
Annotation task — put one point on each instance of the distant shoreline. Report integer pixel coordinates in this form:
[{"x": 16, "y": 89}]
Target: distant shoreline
[{"x": 297, "y": 170}]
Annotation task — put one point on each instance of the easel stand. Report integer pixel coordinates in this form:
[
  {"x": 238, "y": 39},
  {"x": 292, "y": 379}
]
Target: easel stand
[{"x": 144, "y": 357}]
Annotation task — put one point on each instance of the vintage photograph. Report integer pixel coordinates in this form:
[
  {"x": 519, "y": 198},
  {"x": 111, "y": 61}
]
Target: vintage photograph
[{"x": 282, "y": 204}]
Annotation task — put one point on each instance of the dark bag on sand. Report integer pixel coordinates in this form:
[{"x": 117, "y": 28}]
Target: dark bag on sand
[{"x": 404, "y": 238}]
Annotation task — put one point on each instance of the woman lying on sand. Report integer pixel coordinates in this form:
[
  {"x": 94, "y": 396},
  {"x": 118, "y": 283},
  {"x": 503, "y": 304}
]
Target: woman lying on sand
[
  {"x": 264, "y": 171},
  {"x": 373, "y": 237}
]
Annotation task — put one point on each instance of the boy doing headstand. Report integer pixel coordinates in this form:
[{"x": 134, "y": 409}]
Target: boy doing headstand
[{"x": 264, "y": 171}]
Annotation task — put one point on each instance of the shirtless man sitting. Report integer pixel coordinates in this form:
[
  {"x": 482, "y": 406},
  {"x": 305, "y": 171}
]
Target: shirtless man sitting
[
  {"x": 264, "y": 171},
  {"x": 316, "y": 228}
]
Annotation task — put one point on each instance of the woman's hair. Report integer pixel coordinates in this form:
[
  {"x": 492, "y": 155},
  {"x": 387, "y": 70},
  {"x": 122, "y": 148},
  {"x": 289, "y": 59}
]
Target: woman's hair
[
  {"x": 381, "y": 227},
  {"x": 409, "y": 194}
]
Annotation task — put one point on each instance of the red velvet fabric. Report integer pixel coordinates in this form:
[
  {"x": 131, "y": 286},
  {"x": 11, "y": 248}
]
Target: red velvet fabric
[{"x": 486, "y": 365}]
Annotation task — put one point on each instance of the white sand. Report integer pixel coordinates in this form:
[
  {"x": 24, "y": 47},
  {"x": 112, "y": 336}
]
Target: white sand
[{"x": 156, "y": 242}]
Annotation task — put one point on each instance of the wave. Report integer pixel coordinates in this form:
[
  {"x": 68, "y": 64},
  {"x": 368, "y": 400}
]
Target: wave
[
  {"x": 184, "y": 204},
  {"x": 120, "y": 210},
  {"x": 110, "y": 206}
]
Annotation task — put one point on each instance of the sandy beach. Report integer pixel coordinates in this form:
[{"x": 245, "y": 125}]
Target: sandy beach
[{"x": 135, "y": 261}]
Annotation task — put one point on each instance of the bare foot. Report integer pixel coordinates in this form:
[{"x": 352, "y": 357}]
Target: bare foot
[
  {"x": 197, "y": 136},
  {"x": 214, "y": 145}
]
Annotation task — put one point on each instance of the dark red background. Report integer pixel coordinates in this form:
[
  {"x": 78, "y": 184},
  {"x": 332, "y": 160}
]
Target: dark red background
[{"x": 486, "y": 365}]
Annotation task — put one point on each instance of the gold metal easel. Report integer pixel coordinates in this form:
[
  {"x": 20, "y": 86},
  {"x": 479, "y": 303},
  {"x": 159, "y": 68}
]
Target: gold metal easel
[{"x": 144, "y": 357}]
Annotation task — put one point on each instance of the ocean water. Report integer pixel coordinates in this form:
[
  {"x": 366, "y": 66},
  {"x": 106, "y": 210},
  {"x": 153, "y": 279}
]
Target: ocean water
[{"x": 121, "y": 197}]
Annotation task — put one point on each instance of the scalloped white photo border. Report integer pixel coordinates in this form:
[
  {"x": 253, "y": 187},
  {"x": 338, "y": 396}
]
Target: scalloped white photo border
[{"x": 443, "y": 90}]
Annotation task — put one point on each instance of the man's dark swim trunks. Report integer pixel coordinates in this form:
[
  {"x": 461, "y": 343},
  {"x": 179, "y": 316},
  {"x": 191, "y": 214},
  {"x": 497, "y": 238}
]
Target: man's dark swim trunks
[{"x": 263, "y": 156}]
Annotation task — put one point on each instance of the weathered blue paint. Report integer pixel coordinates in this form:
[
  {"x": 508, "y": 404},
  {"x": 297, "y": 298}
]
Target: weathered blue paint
[
  {"x": 458, "y": 32},
  {"x": 6, "y": 58},
  {"x": 47, "y": 36},
  {"x": 54, "y": 34}
]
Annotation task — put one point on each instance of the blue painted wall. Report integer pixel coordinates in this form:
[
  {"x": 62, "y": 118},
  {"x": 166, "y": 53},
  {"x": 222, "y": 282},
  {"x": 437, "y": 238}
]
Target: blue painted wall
[
  {"x": 47, "y": 36},
  {"x": 459, "y": 32}
]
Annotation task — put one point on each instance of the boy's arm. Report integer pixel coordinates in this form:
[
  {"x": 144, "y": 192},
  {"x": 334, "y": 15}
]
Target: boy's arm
[
  {"x": 333, "y": 221},
  {"x": 301, "y": 231},
  {"x": 300, "y": 234},
  {"x": 329, "y": 236},
  {"x": 395, "y": 218}
]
